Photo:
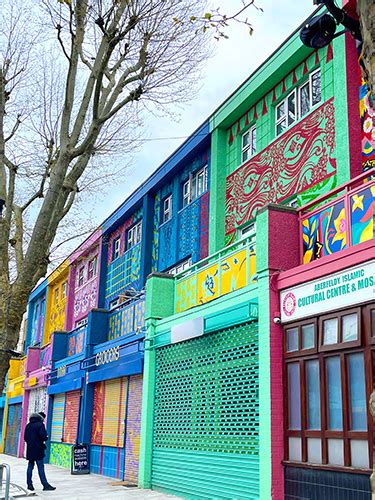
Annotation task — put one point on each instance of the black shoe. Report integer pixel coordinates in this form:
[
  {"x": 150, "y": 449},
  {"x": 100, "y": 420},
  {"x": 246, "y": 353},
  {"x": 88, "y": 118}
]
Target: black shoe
[
  {"x": 31, "y": 488},
  {"x": 48, "y": 488}
]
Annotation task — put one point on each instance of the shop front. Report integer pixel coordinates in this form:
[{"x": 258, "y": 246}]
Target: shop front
[
  {"x": 12, "y": 416},
  {"x": 329, "y": 355},
  {"x": 37, "y": 369},
  {"x": 114, "y": 391},
  {"x": 200, "y": 424},
  {"x": 65, "y": 388}
]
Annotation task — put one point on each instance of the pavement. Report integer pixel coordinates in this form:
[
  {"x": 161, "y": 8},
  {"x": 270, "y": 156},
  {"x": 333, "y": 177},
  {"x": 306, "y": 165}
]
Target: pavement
[{"x": 69, "y": 487}]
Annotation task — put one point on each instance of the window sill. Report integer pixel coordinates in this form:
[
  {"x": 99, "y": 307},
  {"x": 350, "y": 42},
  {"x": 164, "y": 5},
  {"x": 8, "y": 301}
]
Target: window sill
[{"x": 327, "y": 467}]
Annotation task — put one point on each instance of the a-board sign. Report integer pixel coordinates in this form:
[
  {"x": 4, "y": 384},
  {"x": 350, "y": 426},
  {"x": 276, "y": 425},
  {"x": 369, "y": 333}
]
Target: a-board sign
[{"x": 80, "y": 459}]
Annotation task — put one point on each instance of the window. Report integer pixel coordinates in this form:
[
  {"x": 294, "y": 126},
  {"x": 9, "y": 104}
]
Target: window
[
  {"x": 249, "y": 144},
  {"x": 185, "y": 194},
  {"x": 179, "y": 268},
  {"x": 247, "y": 231},
  {"x": 81, "y": 322},
  {"x": 81, "y": 276},
  {"x": 114, "y": 303},
  {"x": 286, "y": 113},
  {"x": 298, "y": 103},
  {"x": 57, "y": 295},
  {"x": 194, "y": 187},
  {"x": 64, "y": 289},
  {"x": 134, "y": 235},
  {"x": 327, "y": 393},
  {"x": 167, "y": 209},
  {"x": 93, "y": 264},
  {"x": 116, "y": 248},
  {"x": 340, "y": 330}
]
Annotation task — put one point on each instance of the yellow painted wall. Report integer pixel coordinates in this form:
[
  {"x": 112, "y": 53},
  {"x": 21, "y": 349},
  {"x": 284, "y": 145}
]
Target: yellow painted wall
[
  {"x": 16, "y": 377},
  {"x": 56, "y": 301}
]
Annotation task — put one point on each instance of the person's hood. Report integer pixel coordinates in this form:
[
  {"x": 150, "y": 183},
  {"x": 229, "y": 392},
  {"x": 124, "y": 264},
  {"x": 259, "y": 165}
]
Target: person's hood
[{"x": 35, "y": 417}]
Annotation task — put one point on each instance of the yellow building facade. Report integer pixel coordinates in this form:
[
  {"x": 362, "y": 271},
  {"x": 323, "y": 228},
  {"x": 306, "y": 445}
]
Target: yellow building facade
[{"x": 56, "y": 301}]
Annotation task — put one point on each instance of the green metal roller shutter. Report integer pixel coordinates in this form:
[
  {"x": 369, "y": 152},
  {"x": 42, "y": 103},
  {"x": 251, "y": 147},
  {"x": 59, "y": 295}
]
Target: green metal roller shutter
[{"x": 207, "y": 416}]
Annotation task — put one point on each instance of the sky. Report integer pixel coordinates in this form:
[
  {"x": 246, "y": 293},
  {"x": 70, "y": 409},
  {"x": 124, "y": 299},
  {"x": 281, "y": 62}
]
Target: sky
[{"x": 234, "y": 60}]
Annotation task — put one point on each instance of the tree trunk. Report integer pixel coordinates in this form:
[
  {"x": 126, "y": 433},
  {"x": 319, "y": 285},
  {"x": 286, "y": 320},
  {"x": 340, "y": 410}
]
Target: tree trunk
[{"x": 366, "y": 12}]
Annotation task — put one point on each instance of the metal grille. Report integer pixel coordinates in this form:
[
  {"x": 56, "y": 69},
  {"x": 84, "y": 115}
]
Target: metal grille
[{"x": 207, "y": 393}]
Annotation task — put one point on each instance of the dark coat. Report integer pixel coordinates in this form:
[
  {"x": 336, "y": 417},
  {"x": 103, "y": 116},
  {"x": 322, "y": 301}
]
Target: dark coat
[{"x": 35, "y": 436}]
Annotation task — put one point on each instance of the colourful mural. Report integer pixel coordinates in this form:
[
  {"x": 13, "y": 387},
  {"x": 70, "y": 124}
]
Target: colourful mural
[
  {"x": 362, "y": 208},
  {"x": 325, "y": 232},
  {"x": 123, "y": 273},
  {"x": 76, "y": 340},
  {"x": 331, "y": 229},
  {"x": 155, "y": 241},
  {"x": 85, "y": 298},
  {"x": 302, "y": 157},
  {"x": 133, "y": 430},
  {"x": 367, "y": 113},
  {"x": 126, "y": 319},
  {"x": 98, "y": 413},
  {"x": 121, "y": 232},
  {"x": 45, "y": 356},
  {"x": 60, "y": 455},
  {"x": 232, "y": 272}
]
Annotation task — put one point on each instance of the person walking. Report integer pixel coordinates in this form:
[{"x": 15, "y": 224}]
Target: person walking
[{"x": 35, "y": 437}]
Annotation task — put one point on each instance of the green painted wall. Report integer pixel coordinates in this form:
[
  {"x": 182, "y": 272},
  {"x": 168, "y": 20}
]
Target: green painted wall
[
  {"x": 226, "y": 157},
  {"x": 264, "y": 358}
]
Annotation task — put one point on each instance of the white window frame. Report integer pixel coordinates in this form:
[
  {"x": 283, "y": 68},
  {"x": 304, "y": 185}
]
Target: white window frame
[
  {"x": 114, "y": 303},
  {"x": 134, "y": 235},
  {"x": 247, "y": 231},
  {"x": 192, "y": 189},
  {"x": 116, "y": 248},
  {"x": 81, "y": 322},
  {"x": 297, "y": 93},
  {"x": 167, "y": 209},
  {"x": 57, "y": 294},
  {"x": 92, "y": 268},
  {"x": 64, "y": 289},
  {"x": 248, "y": 150},
  {"x": 81, "y": 276},
  {"x": 179, "y": 268}
]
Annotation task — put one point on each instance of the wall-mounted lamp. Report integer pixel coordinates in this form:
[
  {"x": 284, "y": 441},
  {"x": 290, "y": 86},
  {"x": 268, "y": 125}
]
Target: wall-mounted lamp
[{"x": 321, "y": 30}]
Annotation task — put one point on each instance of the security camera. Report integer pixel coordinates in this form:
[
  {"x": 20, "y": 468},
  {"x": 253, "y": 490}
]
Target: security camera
[{"x": 277, "y": 320}]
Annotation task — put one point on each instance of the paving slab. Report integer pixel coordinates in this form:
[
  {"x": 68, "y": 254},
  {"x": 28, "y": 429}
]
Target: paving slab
[{"x": 70, "y": 487}]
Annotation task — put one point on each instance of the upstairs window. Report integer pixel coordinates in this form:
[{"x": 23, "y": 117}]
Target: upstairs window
[
  {"x": 93, "y": 264},
  {"x": 299, "y": 102},
  {"x": 57, "y": 295},
  {"x": 134, "y": 235},
  {"x": 64, "y": 289},
  {"x": 247, "y": 231},
  {"x": 249, "y": 144},
  {"x": 195, "y": 186},
  {"x": 116, "y": 248},
  {"x": 81, "y": 276},
  {"x": 167, "y": 209},
  {"x": 179, "y": 268}
]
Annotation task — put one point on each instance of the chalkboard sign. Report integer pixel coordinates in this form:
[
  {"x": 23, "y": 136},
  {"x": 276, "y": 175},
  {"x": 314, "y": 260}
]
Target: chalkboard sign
[{"x": 80, "y": 459}]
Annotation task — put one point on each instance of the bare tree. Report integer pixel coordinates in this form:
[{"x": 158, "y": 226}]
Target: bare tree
[{"x": 75, "y": 77}]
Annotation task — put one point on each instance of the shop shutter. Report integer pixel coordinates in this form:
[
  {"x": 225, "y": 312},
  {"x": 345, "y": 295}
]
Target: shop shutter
[
  {"x": 133, "y": 429},
  {"x": 114, "y": 412},
  {"x": 98, "y": 414},
  {"x": 71, "y": 416},
  {"x": 13, "y": 429},
  {"x": 58, "y": 417},
  {"x": 206, "y": 416}
]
